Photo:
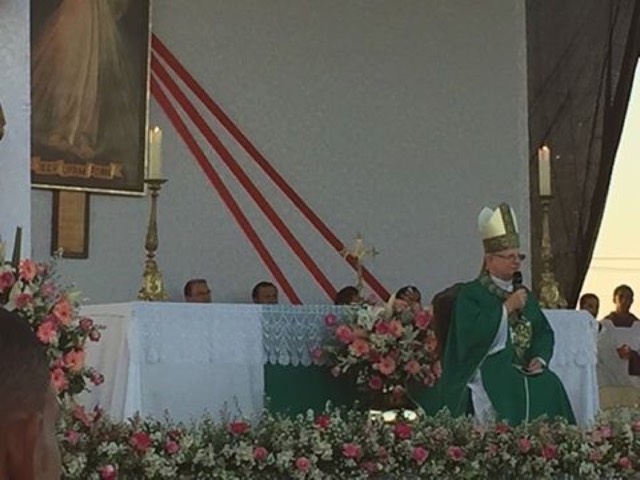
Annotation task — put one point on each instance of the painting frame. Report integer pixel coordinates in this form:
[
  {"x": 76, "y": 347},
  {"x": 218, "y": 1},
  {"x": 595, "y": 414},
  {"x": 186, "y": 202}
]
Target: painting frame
[{"x": 94, "y": 138}]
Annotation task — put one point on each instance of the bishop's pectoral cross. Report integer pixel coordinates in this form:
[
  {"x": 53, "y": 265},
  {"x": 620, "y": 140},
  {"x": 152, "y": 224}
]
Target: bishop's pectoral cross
[{"x": 358, "y": 253}]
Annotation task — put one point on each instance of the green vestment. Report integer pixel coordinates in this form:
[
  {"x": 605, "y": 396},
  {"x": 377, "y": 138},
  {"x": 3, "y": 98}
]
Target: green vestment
[{"x": 515, "y": 396}]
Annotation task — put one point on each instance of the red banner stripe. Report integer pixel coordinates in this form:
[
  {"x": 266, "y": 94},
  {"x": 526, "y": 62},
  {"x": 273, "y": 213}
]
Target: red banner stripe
[
  {"x": 243, "y": 178},
  {"x": 222, "y": 190},
  {"x": 302, "y": 206}
]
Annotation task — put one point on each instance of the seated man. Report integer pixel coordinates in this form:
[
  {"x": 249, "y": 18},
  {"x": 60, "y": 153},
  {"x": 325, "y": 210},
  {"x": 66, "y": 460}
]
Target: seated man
[
  {"x": 619, "y": 353},
  {"x": 197, "y": 290},
  {"x": 28, "y": 405},
  {"x": 499, "y": 342},
  {"x": 265, "y": 293}
]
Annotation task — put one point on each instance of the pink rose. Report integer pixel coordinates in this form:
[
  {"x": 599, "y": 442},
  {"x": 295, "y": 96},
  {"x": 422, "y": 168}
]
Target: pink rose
[
  {"x": 402, "y": 431},
  {"x": 412, "y": 367},
  {"x": 359, "y": 347},
  {"x": 322, "y": 422},
  {"x": 238, "y": 428},
  {"x": 108, "y": 472},
  {"x": 63, "y": 310},
  {"x": 606, "y": 431},
  {"x": 171, "y": 447},
  {"x": 386, "y": 366},
  {"x": 344, "y": 334},
  {"x": 381, "y": 328},
  {"x": 625, "y": 463},
  {"x": 23, "y": 300},
  {"x": 74, "y": 360},
  {"x": 549, "y": 451},
  {"x": 140, "y": 441},
  {"x": 47, "y": 332},
  {"x": 420, "y": 455},
  {"x": 86, "y": 324},
  {"x": 303, "y": 464},
  {"x": 455, "y": 453},
  {"x": 6, "y": 280},
  {"x": 59, "y": 380},
  {"x": 395, "y": 328},
  {"x": 524, "y": 444},
  {"x": 72, "y": 437},
  {"x": 27, "y": 270},
  {"x": 375, "y": 383},
  {"x": 260, "y": 454},
  {"x": 422, "y": 319},
  {"x": 351, "y": 450},
  {"x": 330, "y": 320}
]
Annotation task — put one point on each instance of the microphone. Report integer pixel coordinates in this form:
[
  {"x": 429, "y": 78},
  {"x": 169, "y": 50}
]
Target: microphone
[{"x": 517, "y": 281}]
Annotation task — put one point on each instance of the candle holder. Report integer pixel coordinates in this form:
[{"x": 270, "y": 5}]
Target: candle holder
[
  {"x": 550, "y": 295},
  {"x": 152, "y": 286}
]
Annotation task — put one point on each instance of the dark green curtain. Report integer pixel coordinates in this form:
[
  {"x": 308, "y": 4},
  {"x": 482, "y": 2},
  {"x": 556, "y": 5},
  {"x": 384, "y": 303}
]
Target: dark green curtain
[{"x": 581, "y": 58}]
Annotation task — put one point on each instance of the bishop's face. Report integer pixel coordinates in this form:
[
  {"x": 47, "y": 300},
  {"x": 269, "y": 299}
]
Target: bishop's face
[{"x": 504, "y": 264}]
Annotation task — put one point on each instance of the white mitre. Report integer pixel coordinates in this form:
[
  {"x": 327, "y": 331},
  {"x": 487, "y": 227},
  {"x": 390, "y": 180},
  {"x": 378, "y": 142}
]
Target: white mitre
[{"x": 498, "y": 228}]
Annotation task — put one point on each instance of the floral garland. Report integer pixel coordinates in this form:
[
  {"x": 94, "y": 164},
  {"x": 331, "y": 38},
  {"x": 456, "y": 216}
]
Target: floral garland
[
  {"x": 340, "y": 444},
  {"x": 31, "y": 289},
  {"x": 386, "y": 350}
]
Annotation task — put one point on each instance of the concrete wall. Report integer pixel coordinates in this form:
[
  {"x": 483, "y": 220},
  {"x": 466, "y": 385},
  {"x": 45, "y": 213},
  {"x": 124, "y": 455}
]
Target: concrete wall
[{"x": 398, "y": 120}]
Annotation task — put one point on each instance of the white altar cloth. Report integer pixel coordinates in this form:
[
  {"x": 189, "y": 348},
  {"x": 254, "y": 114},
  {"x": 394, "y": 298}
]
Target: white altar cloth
[{"x": 189, "y": 359}]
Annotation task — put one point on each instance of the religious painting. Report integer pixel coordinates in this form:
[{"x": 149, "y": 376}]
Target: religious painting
[{"x": 89, "y": 79}]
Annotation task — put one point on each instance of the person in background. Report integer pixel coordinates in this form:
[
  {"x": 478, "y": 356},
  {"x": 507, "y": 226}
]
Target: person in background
[
  {"x": 28, "y": 405},
  {"x": 618, "y": 353},
  {"x": 197, "y": 290},
  {"x": 411, "y": 295},
  {"x": 265, "y": 293},
  {"x": 347, "y": 296},
  {"x": 591, "y": 303}
]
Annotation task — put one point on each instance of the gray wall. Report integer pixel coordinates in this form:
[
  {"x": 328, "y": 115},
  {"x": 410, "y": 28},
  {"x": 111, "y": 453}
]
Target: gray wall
[
  {"x": 399, "y": 120},
  {"x": 15, "y": 200}
]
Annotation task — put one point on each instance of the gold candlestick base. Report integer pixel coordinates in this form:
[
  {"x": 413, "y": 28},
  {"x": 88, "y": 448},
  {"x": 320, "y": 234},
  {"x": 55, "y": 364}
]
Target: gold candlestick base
[
  {"x": 152, "y": 286},
  {"x": 550, "y": 294}
]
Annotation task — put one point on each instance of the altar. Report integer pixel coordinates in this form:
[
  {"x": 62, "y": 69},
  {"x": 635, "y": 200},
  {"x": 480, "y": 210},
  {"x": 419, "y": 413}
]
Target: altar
[{"x": 186, "y": 360}]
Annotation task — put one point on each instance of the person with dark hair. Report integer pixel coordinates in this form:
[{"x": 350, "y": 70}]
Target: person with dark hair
[
  {"x": 619, "y": 353},
  {"x": 347, "y": 296},
  {"x": 264, "y": 293},
  {"x": 499, "y": 343},
  {"x": 197, "y": 290},
  {"x": 591, "y": 303},
  {"x": 411, "y": 295},
  {"x": 28, "y": 405}
]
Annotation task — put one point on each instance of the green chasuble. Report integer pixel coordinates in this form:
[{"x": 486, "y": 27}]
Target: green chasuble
[{"x": 515, "y": 396}]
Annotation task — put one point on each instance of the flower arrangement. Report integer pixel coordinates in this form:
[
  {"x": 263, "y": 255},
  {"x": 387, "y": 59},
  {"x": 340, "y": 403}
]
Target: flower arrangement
[
  {"x": 339, "y": 444},
  {"x": 385, "y": 349},
  {"x": 31, "y": 289}
]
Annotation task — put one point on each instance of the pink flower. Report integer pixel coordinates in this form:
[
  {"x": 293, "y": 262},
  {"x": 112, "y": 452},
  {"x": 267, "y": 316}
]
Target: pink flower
[
  {"x": 48, "y": 290},
  {"x": 524, "y": 444},
  {"x": 330, "y": 320},
  {"x": 402, "y": 431},
  {"x": 72, "y": 437},
  {"x": 369, "y": 467},
  {"x": 595, "y": 455},
  {"x": 344, "y": 334},
  {"x": 23, "y": 300},
  {"x": 238, "y": 428},
  {"x": 503, "y": 428},
  {"x": 422, "y": 319},
  {"x": 86, "y": 324},
  {"x": 260, "y": 454},
  {"x": 375, "y": 383},
  {"x": 383, "y": 454},
  {"x": 492, "y": 450},
  {"x": 431, "y": 343},
  {"x": 420, "y": 455},
  {"x": 80, "y": 414},
  {"x": 63, "y": 311},
  {"x": 96, "y": 378},
  {"x": 27, "y": 270},
  {"x": 322, "y": 422},
  {"x": 74, "y": 360},
  {"x": 171, "y": 447},
  {"x": 395, "y": 328},
  {"x": 381, "y": 328},
  {"x": 351, "y": 450},
  {"x": 108, "y": 472},
  {"x": 606, "y": 431},
  {"x": 316, "y": 354},
  {"x": 140, "y": 441},
  {"x": 549, "y": 451},
  {"x": 625, "y": 463},
  {"x": 455, "y": 453},
  {"x": 94, "y": 335},
  {"x": 359, "y": 347},
  {"x": 6, "y": 280},
  {"x": 386, "y": 366},
  {"x": 303, "y": 464},
  {"x": 412, "y": 367},
  {"x": 47, "y": 332},
  {"x": 59, "y": 380}
]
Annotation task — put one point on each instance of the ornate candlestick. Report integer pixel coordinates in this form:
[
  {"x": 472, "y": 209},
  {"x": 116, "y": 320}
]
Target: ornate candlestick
[
  {"x": 152, "y": 286},
  {"x": 550, "y": 295},
  {"x": 358, "y": 252}
]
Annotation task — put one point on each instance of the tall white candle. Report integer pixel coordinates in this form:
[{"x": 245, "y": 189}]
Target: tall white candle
[
  {"x": 544, "y": 170},
  {"x": 155, "y": 153}
]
